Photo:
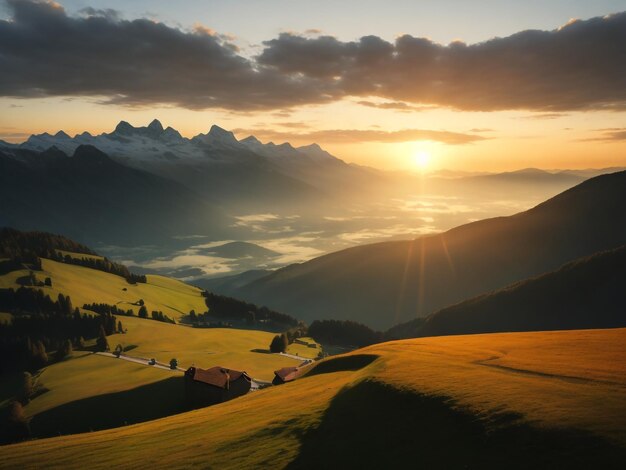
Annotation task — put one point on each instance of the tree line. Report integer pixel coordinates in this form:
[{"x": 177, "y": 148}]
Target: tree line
[
  {"x": 39, "y": 325},
  {"x": 28, "y": 247},
  {"x": 226, "y": 308}
]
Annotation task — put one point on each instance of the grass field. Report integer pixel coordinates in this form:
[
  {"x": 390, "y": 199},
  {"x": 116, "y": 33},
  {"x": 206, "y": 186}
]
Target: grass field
[
  {"x": 86, "y": 378},
  {"x": 84, "y": 285},
  {"x": 530, "y": 400},
  {"x": 304, "y": 351}
]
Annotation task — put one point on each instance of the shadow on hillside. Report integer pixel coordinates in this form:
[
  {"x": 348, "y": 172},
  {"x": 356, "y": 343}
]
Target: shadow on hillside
[
  {"x": 343, "y": 364},
  {"x": 152, "y": 401},
  {"x": 373, "y": 425}
]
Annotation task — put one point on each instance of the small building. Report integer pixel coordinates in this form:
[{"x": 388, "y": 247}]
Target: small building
[
  {"x": 205, "y": 387},
  {"x": 286, "y": 374}
]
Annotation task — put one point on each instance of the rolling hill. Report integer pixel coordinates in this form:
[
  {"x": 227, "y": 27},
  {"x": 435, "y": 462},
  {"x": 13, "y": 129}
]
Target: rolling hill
[
  {"x": 388, "y": 283},
  {"x": 586, "y": 293},
  {"x": 481, "y": 401}
]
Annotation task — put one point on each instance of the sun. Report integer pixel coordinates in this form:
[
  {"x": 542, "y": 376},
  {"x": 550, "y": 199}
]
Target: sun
[{"x": 421, "y": 160}]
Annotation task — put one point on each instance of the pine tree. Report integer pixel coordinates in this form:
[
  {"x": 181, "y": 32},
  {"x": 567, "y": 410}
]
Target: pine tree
[
  {"x": 120, "y": 328},
  {"x": 143, "y": 312},
  {"x": 17, "y": 428},
  {"x": 26, "y": 389},
  {"x": 65, "y": 350},
  {"x": 102, "y": 343}
]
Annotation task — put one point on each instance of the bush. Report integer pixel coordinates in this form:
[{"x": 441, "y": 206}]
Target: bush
[{"x": 173, "y": 364}]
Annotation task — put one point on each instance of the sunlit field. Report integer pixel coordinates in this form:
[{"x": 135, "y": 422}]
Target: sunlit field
[
  {"x": 86, "y": 286},
  {"x": 539, "y": 392}
]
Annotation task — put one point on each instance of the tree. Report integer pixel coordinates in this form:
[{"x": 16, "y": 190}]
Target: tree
[
  {"x": 65, "y": 350},
  {"x": 143, "y": 312},
  {"x": 39, "y": 355},
  {"x": 193, "y": 318},
  {"x": 80, "y": 342},
  {"x": 140, "y": 302},
  {"x": 118, "y": 350},
  {"x": 102, "y": 343},
  {"x": 120, "y": 328},
  {"x": 279, "y": 344},
  {"x": 173, "y": 364},
  {"x": 48, "y": 282},
  {"x": 26, "y": 388},
  {"x": 16, "y": 428}
]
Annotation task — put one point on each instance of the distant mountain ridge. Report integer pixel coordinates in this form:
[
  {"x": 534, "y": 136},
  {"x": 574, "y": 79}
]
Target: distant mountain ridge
[
  {"x": 583, "y": 294},
  {"x": 216, "y": 164},
  {"x": 92, "y": 198},
  {"x": 387, "y": 283}
]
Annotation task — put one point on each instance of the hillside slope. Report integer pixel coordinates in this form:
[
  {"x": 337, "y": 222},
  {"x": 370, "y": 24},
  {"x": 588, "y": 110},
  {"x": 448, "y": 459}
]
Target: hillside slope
[
  {"x": 481, "y": 401},
  {"x": 586, "y": 293},
  {"x": 387, "y": 283},
  {"x": 91, "y": 198}
]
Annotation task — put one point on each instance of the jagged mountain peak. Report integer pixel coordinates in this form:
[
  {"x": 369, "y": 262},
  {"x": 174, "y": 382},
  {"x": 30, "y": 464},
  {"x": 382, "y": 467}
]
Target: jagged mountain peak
[
  {"x": 62, "y": 135},
  {"x": 124, "y": 128},
  {"x": 155, "y": 125},
  {"x": 251, "y": 140}
]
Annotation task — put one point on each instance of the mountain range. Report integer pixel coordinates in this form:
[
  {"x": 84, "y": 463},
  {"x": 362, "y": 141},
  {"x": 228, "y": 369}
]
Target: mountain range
[
  {"x": 90, "y": 197},
  {"x": 218, "y": 166},
  {"x": 387, "y": 283}
]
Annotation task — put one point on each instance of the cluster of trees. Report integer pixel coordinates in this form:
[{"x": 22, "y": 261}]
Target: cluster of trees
[
  {"x": 279, "y": 343},
  {"x": 101, "y": 264},
  {"x": 205, "y": 320},
  {"x": 226, "y": 308},
  {"x": 104, "y": 309},
  {"x": 33, "y": 280},
  {"x": 155, "y": 315},
  {"x": 344, "y": 333},
  {"x": 39, "y": 325},
  {"x": 26, "y": 247}
]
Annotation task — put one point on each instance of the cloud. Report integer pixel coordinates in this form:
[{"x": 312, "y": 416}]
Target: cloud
[
  {"x": 617, "y": 134},
  {"x": 364, "y": 135},
  {"x": 579, "y": 66},
  {"x": 139, "y": 62},
  {"x": 395, "y": 105},
  {"x": 545, "y": 116}
]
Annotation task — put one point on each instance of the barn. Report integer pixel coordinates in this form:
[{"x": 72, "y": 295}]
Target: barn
[
  {"x": 286, "y": 374},
  {"x": 205, "y": 387}
]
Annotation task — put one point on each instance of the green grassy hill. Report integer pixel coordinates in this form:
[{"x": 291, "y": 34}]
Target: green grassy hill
[
  {"x": 85, "y": 286},
  {"x": 485, "y": 401},
  {"x": 86, "y": 385}
]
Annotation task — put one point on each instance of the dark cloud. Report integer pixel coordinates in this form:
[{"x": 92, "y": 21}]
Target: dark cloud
[
  {"x": 45, "y": 52},
  {"x": 343, "y": 136}
]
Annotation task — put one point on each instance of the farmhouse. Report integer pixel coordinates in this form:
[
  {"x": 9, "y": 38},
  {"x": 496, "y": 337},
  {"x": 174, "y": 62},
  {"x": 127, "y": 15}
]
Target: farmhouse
[
  {"x": 215, "y": 385},
  {"x": 286, "y": 374}
]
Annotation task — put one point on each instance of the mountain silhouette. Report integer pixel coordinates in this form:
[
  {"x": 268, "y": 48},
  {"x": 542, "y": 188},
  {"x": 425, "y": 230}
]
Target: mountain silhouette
[{"x": 387, "y": 283}]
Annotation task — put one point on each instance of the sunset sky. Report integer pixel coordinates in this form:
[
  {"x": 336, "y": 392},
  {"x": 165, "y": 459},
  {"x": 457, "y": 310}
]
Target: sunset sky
[{"x": 397, "y": 85}]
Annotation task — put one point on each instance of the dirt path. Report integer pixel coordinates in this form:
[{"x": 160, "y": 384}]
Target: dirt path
[{"x": 256, "y": 384}]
